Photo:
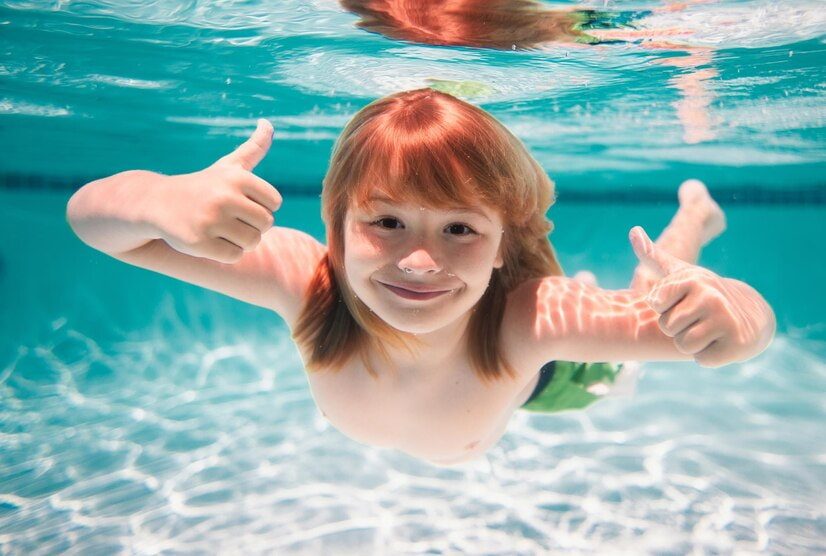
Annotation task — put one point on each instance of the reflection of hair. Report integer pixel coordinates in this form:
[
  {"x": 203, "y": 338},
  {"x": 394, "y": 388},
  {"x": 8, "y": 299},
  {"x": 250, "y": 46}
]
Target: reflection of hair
[
  {"x": 426, "y": 147},
  {"x": 498, "y": 24}
]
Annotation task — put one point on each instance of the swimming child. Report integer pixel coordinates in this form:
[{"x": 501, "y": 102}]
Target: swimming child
[{"x": 424, "y": 321}]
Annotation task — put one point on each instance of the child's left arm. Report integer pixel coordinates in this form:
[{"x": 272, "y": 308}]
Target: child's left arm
[
  {"x": 690, "y": 313},
  {"x": 714, "y": 319}
]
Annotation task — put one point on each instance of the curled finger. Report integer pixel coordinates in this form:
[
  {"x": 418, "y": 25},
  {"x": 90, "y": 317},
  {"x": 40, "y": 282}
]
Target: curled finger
[
  {"x": 260, "y": 191},
  {"x": 239, "y": 233},
  {"x": 697, "y": 337},
  {"x": 252, "y": 214},
  {"x": 680, "y": 317},
  {"x": 715, "y": 355}
]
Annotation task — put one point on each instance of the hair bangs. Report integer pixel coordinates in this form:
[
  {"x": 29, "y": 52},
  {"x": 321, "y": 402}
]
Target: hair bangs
[{"x": 441, "y": 166}]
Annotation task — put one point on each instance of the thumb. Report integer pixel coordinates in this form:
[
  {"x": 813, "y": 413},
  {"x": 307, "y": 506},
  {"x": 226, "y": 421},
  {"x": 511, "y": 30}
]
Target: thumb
[
  {"x": 654, "y": 258},
  {"x": 254, "y": 149}
]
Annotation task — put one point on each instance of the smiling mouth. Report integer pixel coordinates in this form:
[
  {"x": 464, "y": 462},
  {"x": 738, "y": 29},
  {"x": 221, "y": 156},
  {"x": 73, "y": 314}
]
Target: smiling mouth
[{"x": 417, "y": 295}]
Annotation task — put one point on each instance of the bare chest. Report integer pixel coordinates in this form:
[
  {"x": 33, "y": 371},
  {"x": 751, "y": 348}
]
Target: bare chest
[{"x": 443, "y": 415}]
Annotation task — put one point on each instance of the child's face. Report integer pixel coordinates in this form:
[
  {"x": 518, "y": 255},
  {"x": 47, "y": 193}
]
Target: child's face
[{"x": 447, "y": 256}]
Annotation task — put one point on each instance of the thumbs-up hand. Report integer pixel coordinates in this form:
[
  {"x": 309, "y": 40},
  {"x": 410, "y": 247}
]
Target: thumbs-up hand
[
  {"x": 221, "y": 211},
  {"x": 714, "y": 319}
]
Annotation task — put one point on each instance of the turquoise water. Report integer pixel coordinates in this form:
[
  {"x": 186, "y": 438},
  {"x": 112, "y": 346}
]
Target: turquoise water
[{"x": 142, "y": 415}]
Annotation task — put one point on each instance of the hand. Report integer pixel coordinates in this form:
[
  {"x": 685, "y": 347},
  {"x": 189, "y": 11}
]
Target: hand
[
  {"x": 221, "y": 211},
  {"x": 716, "y": 320}
]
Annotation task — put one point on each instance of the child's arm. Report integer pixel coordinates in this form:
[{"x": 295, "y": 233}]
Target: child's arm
[
  {"x": 691, "y": 313},
  {"x": 212, "y": 228}
]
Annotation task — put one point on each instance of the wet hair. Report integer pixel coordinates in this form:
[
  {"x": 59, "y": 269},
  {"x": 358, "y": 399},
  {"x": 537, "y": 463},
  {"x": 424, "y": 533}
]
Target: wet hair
[
  {"x": 426, "y": 147},
  {"x": 496, "y": 24}
]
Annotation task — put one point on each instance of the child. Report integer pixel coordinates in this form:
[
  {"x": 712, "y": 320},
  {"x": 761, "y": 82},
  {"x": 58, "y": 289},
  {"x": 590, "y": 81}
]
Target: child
[{"x": 425, "y": 319}]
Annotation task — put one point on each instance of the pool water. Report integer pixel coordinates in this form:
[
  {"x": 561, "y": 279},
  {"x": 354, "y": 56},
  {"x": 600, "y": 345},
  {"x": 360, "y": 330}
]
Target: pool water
[{"x": 142, "y": 415}]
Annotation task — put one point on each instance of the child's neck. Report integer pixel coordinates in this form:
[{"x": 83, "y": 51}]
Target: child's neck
[{"x": 434, "y": 351}]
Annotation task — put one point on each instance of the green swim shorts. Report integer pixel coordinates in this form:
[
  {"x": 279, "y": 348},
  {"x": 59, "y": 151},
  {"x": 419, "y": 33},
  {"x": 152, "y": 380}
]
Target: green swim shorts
[
  {"x": 587, "y": 20},
  {"x": 568, "y": 385}
]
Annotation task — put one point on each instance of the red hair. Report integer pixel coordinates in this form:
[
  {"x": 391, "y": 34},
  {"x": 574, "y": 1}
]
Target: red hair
[
  {"x": 427, "y": 147},
  {"x": 498, "y": 24}
]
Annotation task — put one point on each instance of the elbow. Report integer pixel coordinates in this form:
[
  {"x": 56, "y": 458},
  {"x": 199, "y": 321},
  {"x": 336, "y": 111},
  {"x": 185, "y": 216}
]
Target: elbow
[
  {"x": 75, "y": 214},
  {"x": 78, "y": 204},
  {"x": 72, "y": 212}
]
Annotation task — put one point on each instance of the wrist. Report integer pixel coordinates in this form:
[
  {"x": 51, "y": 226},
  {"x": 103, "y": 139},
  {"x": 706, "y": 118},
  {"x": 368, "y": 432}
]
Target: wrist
[
  {"x": 110, "y": 215},
  {"x": 150, "y": 190}
]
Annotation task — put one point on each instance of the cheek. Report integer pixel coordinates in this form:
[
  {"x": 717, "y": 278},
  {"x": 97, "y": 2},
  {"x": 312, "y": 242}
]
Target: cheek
[
  {"x": 476, "y": 260},
  {"x": 362, "y": 254}
]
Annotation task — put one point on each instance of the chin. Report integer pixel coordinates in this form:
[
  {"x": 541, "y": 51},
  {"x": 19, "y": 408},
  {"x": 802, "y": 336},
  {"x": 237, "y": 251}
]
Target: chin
[
  {"x": 413, "y": 325},
  {"x": 425, "y": 320}
]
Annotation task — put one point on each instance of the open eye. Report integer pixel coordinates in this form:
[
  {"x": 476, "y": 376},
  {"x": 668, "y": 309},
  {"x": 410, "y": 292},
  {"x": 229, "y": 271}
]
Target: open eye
[
  {"x": 460, "y": 229},
  {"x": 387, "y": 223}
]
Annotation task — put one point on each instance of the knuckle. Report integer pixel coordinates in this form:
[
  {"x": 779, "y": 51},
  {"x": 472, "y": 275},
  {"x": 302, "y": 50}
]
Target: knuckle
[
  {"x": 707, "y": 297},
  {"x": 207, "y": 228},
  {"x": 214, "y": 209},
  {"x": 193, "y": 236},
  {"x": 224, "y": 199},
  {"x": 714, "y": 300}
]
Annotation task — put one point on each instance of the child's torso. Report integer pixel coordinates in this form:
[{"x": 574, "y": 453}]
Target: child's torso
[{"x": 444, "y": 417}]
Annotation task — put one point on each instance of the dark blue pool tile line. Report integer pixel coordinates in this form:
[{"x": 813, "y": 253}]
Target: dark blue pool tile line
[{"x": 741, "y": 195}]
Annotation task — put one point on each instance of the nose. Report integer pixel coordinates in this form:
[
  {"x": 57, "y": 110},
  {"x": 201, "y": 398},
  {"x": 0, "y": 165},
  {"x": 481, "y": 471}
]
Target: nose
[{"x": 419, "y": 261}]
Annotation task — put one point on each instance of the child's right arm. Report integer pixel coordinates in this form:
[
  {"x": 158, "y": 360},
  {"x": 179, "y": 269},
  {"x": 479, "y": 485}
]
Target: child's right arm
[{"x": 213, "y": 228}]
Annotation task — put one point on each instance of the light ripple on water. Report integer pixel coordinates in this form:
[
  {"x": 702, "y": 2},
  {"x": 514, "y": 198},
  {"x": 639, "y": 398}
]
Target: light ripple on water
[{"x": 183, "y": 440}]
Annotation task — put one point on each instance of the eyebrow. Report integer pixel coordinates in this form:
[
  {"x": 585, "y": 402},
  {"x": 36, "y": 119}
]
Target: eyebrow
[{"x": 388, "y": 200}]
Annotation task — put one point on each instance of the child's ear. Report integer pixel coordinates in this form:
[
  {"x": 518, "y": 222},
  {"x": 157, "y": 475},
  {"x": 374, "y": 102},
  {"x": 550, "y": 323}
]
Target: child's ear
[{"x": 499, "y": 261}]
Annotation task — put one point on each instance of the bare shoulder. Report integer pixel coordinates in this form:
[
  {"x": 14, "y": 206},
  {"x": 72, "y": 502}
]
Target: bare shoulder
[
  {"x": 524, "y": 342},
  {"x": 556, "y": 318},
  {"x": 275, "y": 275}
]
